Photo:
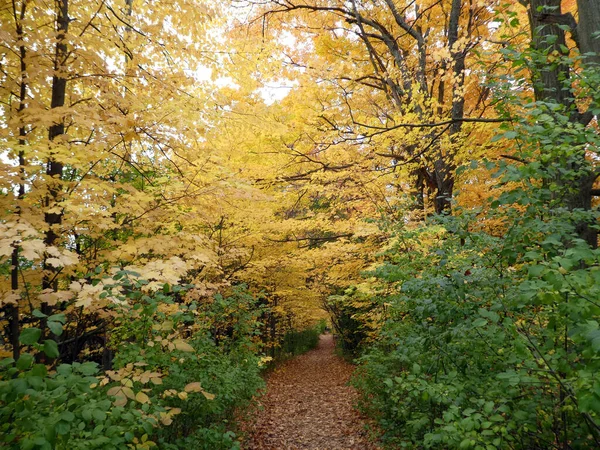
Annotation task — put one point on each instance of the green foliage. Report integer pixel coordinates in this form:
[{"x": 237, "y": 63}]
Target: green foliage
[
  {"x": 298, "y": 342},
  {"x": 480, "y": 352},
  {"x": 60, "y": 409},
  {"x": 491, "y": 339},
  {"x": 176, "y": 381},
  {"x": 351, "y": 316},
  {"x": 221, "y": 361}
]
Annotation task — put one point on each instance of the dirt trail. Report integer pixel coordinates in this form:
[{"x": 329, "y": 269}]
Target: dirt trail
[{"x": 309, "y": 406}]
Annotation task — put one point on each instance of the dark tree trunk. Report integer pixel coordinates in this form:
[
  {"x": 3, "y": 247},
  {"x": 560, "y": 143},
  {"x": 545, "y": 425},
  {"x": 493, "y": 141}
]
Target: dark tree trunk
[
  {"x": 549, "y": 79},
  {"x": 445, "y": 165},
  {"x": 445, "y": 187},
  {"x": 551, "y": 84},
  {"x": 54, "y": 168},
  {"x": 589, "y": 23},
  {"x": 12, "y": 312}
]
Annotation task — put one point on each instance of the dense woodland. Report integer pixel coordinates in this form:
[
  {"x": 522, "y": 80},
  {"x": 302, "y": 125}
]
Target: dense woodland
[{"x": 191, "y": 189}]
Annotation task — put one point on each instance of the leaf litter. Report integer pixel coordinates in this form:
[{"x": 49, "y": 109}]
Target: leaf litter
[{"x": 309, "y": 405}]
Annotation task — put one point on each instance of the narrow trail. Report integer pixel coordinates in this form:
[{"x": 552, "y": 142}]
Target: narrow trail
[{"x": 308, "y": 405}]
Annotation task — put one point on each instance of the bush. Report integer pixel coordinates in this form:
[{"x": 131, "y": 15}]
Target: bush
[
  {"x": 177, "y": 378},
  {"x": 485, "y": 346}
]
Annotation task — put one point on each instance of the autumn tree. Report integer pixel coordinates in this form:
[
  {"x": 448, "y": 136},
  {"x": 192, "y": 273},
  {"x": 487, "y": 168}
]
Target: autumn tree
[
  {"x": 92, "y": 159},
  {"x": 405, "y": 78}
]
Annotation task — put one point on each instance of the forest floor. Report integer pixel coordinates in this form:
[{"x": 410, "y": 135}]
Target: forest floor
[{"x": 309, "y": 405}]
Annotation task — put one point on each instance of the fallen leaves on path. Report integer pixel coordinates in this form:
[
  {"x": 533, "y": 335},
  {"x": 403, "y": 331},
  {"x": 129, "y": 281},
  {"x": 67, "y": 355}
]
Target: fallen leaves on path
[{"x": 308, "y": 405}]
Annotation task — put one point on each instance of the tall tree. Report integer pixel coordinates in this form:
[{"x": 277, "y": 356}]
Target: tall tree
[
  {"x": 554, "y": 84},
  {"x": 401, "y": 71}
]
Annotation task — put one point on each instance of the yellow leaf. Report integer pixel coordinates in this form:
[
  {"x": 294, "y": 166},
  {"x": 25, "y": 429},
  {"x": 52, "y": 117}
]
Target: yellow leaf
[
  {"x": 114, "y": 390},
  {"x": 142, "y": 397},
  {"x": 121, "y": 400},
  {"x": 208, "y": 395},
  {"x": 183, "y": 346},
  {"x": 193, "y": 387},
  {"x": 128, "y": 392}
]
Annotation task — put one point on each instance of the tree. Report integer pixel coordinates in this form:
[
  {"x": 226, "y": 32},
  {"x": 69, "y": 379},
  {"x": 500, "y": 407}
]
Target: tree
[
  {"x": 405, "y": 78},
  {"x": 554, "y": 84},
  {"x": 92, "y": 159}
]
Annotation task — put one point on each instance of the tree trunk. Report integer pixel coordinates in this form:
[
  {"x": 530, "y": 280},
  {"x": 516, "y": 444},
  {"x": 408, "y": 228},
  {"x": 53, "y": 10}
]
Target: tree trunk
[
  {"x": 445, "y": 165},
  {"x": 551, "y": 84},
  {"x": 589, "y": 24},
  {"x": 54, "y": 168},
  {"x": 12, "y": 312},
  {"x": 549, "y": 80}
]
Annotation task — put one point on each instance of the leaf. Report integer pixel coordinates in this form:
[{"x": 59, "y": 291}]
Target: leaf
[
  {"x": 58, "y": 318},
  {"x": 25, "y": 361},
  {"x": 30, "y": 336},
  {"x": 67, "y": 416},
  {"x": 128, "y": 392},
  {"x": 142, "y": 397},
  {"x": 121, "y": 400},
  {"x": 51, "y": 349},
  {"x": 99, "y": 415},
  {"x": 37, "y": 313},
  {"x": 183, "y": 346},
  {"x": 193, "y": 387},
  {"x": 479, "y": 323},
  {"x": 208, "y": 395},
  {"x": 114, "y": 390},
  {"x": 62, "y": 428},
  {"x": 88, "y": 368},
  {"x": 56, "y": 328}
]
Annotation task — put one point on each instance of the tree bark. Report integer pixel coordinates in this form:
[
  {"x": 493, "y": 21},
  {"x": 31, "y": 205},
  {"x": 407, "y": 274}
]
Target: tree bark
[
  {"x": 549, "y": 79},
  {"x": 589, "y": 29},
  {"x": 13, "y": 310},
  {"x": 552, "y": 84},
  {"x": 54, "y": 168}
]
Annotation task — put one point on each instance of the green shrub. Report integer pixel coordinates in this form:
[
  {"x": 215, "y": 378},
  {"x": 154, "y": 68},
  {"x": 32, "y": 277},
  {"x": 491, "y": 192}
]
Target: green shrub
[
  {"x": 177, "y": 379},
  {"x": 486, "y": 347},
  {"x": 298, "y": 342}
]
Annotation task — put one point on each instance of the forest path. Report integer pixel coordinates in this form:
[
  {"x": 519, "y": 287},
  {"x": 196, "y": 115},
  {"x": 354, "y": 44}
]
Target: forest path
[{"x": 308, "y": 405}]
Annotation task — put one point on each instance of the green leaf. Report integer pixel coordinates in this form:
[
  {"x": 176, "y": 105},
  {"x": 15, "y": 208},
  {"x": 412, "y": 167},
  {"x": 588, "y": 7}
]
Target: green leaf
[
  {"x": 57, "y": 318},
  {"x": 51, "y": 349},
  {"x": 479, "y": 323},
  {"x": 37, "y": 313},
  {"x": 7, "y": 362},
  {"x": 62, "y": 427},
  {"x": 99, "y": 415},
  {"x": 30, "y": 336},
  {"x": 25, "y": 361},
  {"x": 67, "y": 416},
  {"x": 39, "y": 370},
  {"x": 88, "y": 368},
  {"x": 56, "y": 328}
]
